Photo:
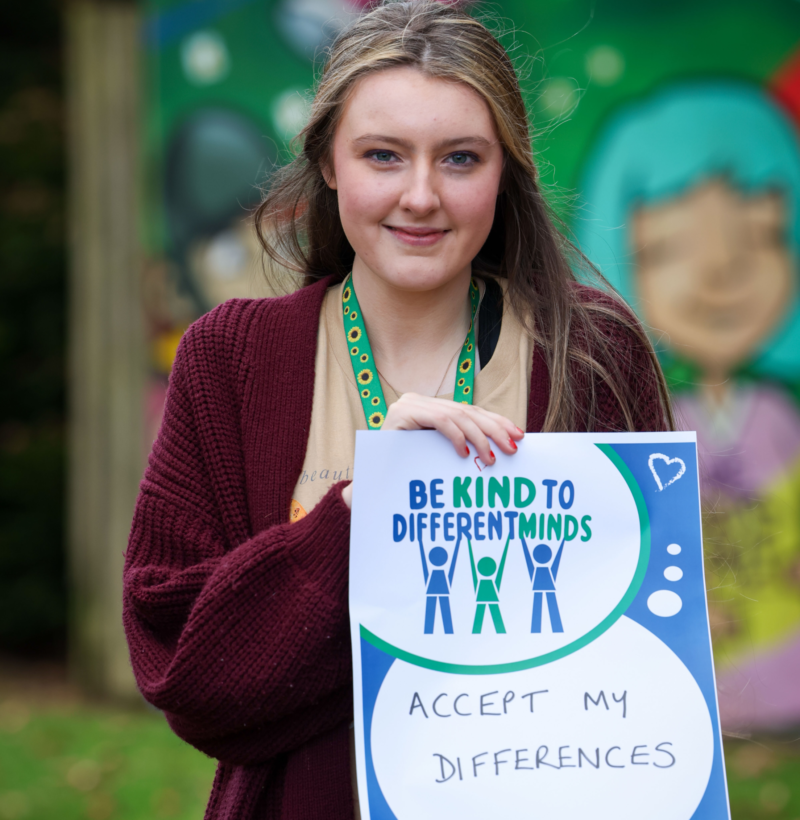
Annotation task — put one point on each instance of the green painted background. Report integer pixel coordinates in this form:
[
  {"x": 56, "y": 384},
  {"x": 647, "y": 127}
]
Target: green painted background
[{"x": 658, "y": 42}]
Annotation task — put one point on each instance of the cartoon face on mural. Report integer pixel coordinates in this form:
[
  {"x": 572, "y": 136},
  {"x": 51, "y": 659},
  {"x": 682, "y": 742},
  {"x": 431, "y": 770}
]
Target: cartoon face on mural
[
  {"x": 704, "y": 179},
  {"x": 713, "y": 268},
  {"x": 215, "y": 162}
]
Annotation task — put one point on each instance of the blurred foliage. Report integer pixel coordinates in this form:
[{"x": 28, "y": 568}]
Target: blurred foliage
[
  {"x": 32, "y": 329},
  {"x": 763, "y": 778},
  {"x": 74, "y": 761}
]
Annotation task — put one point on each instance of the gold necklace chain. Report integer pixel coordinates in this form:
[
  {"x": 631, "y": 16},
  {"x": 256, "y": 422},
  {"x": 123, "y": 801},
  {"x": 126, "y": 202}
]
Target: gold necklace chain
[{"x": 446, "y": 371}]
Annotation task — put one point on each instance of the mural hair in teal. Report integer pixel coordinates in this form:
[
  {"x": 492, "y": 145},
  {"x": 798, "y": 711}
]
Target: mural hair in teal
[{"x": 677, "y": 138}]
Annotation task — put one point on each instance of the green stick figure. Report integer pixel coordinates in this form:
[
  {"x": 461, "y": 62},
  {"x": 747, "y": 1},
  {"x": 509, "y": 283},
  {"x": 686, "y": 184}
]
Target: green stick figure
[{"x": 487, "y": 590}]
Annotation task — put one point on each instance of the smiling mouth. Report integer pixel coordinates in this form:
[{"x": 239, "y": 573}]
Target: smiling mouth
[
  {"x": 416, "y": 231},
  {"x": 417, "y": 237}
]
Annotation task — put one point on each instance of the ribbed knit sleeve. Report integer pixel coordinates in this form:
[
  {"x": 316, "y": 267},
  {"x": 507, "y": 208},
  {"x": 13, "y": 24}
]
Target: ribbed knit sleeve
[{"x": 241, "y": 639}]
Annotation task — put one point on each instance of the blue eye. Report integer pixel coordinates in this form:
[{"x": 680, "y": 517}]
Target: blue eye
[
  {"x": 462, "y": 158},
  {"x": 382, "y": 156}
]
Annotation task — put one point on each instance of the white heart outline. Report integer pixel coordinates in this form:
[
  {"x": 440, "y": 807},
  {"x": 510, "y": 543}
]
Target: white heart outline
[{"x": 676, "y": 460}]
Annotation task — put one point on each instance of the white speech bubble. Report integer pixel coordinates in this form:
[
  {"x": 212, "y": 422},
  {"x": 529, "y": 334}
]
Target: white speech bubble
[{"x": 665, "y": 718}]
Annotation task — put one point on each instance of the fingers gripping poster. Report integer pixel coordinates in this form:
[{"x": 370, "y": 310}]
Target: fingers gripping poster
[{"x": 530, "y": 638}]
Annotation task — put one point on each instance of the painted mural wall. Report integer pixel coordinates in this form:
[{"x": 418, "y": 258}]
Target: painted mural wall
[{"x": 668, "y": 136}]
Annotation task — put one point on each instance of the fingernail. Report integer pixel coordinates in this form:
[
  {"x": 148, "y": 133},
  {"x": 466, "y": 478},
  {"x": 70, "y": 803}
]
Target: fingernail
[
  {"x": 521, "y": 432},
  {"x": 512, "y": 443},
  {"x": 467, "y": 449},
  {"x": 491, "y": 454}
]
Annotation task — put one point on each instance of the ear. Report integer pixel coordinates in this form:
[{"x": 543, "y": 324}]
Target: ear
[{"x": 329, "y": 175}]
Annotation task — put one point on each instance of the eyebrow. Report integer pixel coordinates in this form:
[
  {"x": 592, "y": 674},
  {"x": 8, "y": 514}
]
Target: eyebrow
[{"x": 472, "y": 140}]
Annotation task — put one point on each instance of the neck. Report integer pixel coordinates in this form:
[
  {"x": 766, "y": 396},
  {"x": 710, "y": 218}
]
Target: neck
[
  {"x": 714, "y": 386},
  {"x": 414, "y": 334}
]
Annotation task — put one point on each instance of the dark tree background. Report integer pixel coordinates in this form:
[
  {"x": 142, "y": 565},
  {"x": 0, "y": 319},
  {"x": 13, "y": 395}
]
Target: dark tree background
[{"x": 32, "y": 331}]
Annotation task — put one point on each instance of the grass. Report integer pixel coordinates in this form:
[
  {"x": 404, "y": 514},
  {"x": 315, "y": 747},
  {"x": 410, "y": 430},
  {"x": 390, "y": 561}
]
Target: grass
[
  {"x": 63, "y": 757},
  {"x": 764, "y": 778},
  {"x": 73, "y": 761}
]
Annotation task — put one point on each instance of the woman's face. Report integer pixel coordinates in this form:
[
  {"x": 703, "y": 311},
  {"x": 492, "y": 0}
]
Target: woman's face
[
  {"x": 416, "y": 164},
  {"x": 713, "y": 271}
]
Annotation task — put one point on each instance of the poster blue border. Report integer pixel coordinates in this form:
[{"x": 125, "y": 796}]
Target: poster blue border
[{"x": 685, "y": 633}]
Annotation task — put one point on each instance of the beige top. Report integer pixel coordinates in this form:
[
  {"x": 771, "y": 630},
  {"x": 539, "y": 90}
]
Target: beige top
[
  {"x": 336, "y": 413},
  {"x": 502, "y": 387}
]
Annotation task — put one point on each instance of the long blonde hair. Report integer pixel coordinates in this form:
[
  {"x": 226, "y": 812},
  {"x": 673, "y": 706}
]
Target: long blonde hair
[{"x": 299, "y": 227}]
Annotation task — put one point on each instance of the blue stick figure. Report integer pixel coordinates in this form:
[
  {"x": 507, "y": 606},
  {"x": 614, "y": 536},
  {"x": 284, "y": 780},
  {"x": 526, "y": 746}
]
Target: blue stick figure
[
  {"x": 544, "y": 583},
  {"x": 438, "y": 587}
]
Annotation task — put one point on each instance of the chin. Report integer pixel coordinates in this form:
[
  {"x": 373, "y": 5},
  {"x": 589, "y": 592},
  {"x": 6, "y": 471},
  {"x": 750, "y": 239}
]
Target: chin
[
  {"x": 418, "y": 274},
  {"x": 421, "y": 280}
]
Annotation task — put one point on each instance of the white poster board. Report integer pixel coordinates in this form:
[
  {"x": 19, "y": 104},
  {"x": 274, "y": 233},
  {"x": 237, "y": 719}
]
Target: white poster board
[{"x": 531, "y": 639}]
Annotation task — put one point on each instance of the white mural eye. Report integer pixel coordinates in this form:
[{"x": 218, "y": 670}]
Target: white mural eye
[
  {"x": 605, "y": 65},
  {"x": 205, "y": 58},
  {"x": 226, "y": 256},
  {"x": 290, "y": 113},
  {"x": 559, "y": 97}
]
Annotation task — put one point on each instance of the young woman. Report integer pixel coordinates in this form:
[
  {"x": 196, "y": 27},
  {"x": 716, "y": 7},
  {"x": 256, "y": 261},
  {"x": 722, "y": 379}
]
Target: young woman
[{"x": 432, "y": 273}]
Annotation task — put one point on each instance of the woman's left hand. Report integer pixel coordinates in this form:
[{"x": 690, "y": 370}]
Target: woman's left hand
[{"x": 458, "y": 422}]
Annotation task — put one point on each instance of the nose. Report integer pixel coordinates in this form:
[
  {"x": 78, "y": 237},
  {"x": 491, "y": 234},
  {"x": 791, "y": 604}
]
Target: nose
[
  {"x": 724, "y": 262},
  {"x": 723, "y": 252},
  {"x": 420, "y": 195}
]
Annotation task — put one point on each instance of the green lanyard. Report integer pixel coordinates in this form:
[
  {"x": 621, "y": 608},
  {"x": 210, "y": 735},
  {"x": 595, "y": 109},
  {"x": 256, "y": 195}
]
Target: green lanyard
[{"x": 369, "y": 385}]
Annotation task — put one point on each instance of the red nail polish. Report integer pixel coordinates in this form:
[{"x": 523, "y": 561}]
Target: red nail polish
[
  {"x": 467, "y": 449},
  {"x": 491, "y": 454},
  {"x": 512, "y": 443}
]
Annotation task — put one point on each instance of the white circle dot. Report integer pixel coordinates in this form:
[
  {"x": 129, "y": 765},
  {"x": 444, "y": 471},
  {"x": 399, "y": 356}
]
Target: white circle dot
[
  {"x": 290, "y": 112},
  {"x": 205, "y": 57},
  {"x": 559, "y": 96},
  {"x": 674, "y": 549},
  {"x": 673, "y": 573},
  {"x": 664, "y": 603},
  {"x": 605, "y": 64}
]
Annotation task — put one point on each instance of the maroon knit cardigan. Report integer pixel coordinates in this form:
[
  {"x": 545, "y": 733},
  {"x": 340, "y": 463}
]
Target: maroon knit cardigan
[{"x": 237, "y": 621}]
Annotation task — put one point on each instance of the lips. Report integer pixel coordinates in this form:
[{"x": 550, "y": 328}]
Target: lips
[
  {"x": 415, "y": 231},
  {"x": 417, "y": 236}
]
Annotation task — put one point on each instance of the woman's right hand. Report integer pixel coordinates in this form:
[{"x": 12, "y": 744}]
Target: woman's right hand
[{"x": 461, "y": 423}]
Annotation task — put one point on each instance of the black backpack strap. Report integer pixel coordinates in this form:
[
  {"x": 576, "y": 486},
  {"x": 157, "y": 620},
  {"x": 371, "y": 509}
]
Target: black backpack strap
[{"x": 490, "y": 320}]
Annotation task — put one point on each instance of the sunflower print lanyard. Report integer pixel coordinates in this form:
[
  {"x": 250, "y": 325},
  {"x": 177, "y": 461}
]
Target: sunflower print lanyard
[{"x": 369, "y": 385}]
